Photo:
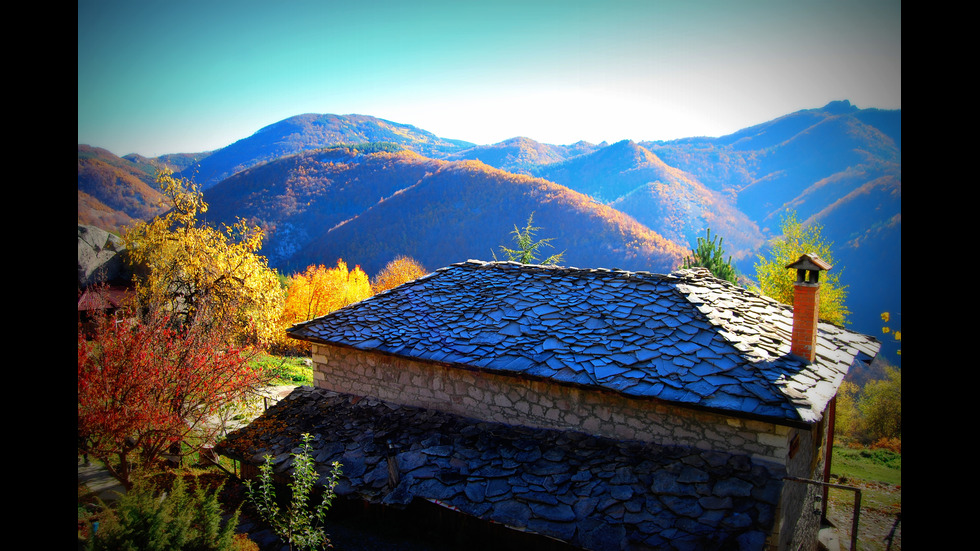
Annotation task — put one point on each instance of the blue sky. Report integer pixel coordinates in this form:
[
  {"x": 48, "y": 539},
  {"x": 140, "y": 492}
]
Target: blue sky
[{"x": 158, "y": 77}]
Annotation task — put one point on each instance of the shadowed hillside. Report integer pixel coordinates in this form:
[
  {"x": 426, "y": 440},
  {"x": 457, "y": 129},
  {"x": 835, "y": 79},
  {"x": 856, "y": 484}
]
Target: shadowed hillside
[{"x": 297, "y": 198}]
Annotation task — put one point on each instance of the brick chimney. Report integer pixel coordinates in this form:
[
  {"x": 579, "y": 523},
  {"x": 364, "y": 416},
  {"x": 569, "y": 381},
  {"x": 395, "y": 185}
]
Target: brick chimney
[{"x": 806, "y": 305}]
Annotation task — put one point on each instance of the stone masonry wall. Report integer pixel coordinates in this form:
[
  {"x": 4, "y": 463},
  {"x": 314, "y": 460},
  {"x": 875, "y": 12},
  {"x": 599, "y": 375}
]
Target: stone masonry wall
[
  {"x": 800, "y": 503},
  {"x": 541, "y": 403}
]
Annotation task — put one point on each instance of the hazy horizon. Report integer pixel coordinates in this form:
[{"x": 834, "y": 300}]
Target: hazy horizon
[{"x": 178, "y": 77}]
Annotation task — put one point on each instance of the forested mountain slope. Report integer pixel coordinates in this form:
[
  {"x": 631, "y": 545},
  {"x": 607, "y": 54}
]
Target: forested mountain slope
[
  {"x": 368, "y": 208},
  {"x": 468, "y": 210},
  {"x": 113, "y": 192},
  {"x": 673, "y": 203}
]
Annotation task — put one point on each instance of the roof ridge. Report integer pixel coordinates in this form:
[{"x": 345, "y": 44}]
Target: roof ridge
[{"x": 475, "y": 263}]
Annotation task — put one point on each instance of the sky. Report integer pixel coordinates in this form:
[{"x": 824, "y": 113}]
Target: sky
[{"x": 175, "y": 76}]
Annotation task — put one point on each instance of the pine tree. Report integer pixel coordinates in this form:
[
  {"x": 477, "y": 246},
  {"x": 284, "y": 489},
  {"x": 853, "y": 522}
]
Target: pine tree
[
  {"x": 710, "y": 254},
  {"x": 527, "y": 247}
]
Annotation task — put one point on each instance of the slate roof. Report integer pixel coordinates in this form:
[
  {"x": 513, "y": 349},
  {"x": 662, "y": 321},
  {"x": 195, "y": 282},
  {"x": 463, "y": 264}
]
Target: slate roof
[
  {"x": 594, "y": 493},
  {"x": 684, "y": 337}
]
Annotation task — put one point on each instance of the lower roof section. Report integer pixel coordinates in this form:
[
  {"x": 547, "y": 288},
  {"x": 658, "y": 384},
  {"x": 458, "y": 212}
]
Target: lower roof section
[{"x": 594, "y": 493}]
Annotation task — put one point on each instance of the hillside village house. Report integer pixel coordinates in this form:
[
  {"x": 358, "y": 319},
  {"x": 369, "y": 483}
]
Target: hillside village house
[{"x": 603, "y": 408}]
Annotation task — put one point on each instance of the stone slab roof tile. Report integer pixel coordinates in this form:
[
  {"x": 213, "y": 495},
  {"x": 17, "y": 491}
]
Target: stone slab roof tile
[
  {"x": 589, "y": 491},
  {"x": 503, "y": 316}
]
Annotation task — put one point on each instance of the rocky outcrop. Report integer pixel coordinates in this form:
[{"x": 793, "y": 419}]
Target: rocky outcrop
[{"x": 101, "y": 258}]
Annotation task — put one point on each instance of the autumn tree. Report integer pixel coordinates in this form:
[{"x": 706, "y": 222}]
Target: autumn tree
[
  {"x": 320, "y": 290},
  {"x": 711, "y": 255},
  {"x": 847, "y": 418},
  {"x": 182, "y": 263},
  {"x": 871, "y": 413},
  {"x": 146, "y": 384},
  {"x": 880, "y": 405},
  {"x": 776, "y": 281},
  {"x": 527, "y": 247},
  {"x": 400, "y": 270}
]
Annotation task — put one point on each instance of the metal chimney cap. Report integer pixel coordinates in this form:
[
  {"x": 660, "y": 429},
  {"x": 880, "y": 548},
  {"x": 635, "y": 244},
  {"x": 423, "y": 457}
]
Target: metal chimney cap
[{"x": 811, "y": 263}]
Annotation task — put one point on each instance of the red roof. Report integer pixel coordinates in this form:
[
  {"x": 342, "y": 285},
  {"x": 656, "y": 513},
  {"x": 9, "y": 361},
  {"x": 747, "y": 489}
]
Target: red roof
[{"x": 101, "y": 298}]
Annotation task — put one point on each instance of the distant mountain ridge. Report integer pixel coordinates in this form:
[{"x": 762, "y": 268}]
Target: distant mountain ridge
[
  {"x": 523, "y": 155},
  {"x": 838, "y": 165},
  {"x": 630, "y": 178},
  {"x": 314, "y": 131}
]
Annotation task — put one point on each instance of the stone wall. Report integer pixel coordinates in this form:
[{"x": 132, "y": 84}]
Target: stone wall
[
  {"x": 800, "y": 504},
  {"x": 542, "y": 404}
]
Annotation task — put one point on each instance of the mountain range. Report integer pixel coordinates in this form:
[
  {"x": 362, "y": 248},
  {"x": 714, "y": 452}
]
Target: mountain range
[{"x": 366, "y": 190}]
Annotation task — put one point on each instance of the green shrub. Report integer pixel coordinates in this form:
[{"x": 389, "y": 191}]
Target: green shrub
[{"x": 147, "y": 520}]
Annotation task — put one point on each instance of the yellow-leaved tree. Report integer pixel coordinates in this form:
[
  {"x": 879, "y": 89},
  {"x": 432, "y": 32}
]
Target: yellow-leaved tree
[
  {"x": 182, "y": 264},
  {"x": 320, "y": 290},
  {"x": 400, "y": 270},
  {"x": 776, "y": 281}
]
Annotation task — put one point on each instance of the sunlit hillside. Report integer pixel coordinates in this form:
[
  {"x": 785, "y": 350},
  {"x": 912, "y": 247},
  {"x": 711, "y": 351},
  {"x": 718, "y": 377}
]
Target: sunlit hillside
[
  {"x": 469, "y": 210},
  {"x": 668, "y": 200},
  {"x": 368, "y": 208}
]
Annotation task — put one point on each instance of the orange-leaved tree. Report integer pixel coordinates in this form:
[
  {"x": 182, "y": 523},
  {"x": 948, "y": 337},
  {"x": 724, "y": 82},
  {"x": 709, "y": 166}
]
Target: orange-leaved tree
[
  {"x": 317, "y": 291},
  {"x": 400, "y": 270},
  {"x": 146, "y": 384}
]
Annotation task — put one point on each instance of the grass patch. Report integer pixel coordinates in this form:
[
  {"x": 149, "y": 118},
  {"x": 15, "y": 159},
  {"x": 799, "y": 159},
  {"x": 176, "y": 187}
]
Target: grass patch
[
  {"x": 877, "y": 472},
  {"x": 285, "y": 370},
  {"x": 882, "y": 466}
]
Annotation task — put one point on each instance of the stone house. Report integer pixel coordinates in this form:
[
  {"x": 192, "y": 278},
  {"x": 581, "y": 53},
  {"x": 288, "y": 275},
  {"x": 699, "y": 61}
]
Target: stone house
[{"x": 602, "y": 408}]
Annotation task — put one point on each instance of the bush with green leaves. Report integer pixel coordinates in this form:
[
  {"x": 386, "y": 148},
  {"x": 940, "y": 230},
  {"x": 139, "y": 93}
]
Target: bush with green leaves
[
  {"x": 298, "y": 525},
  {"x": 145, "y": 519}
]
